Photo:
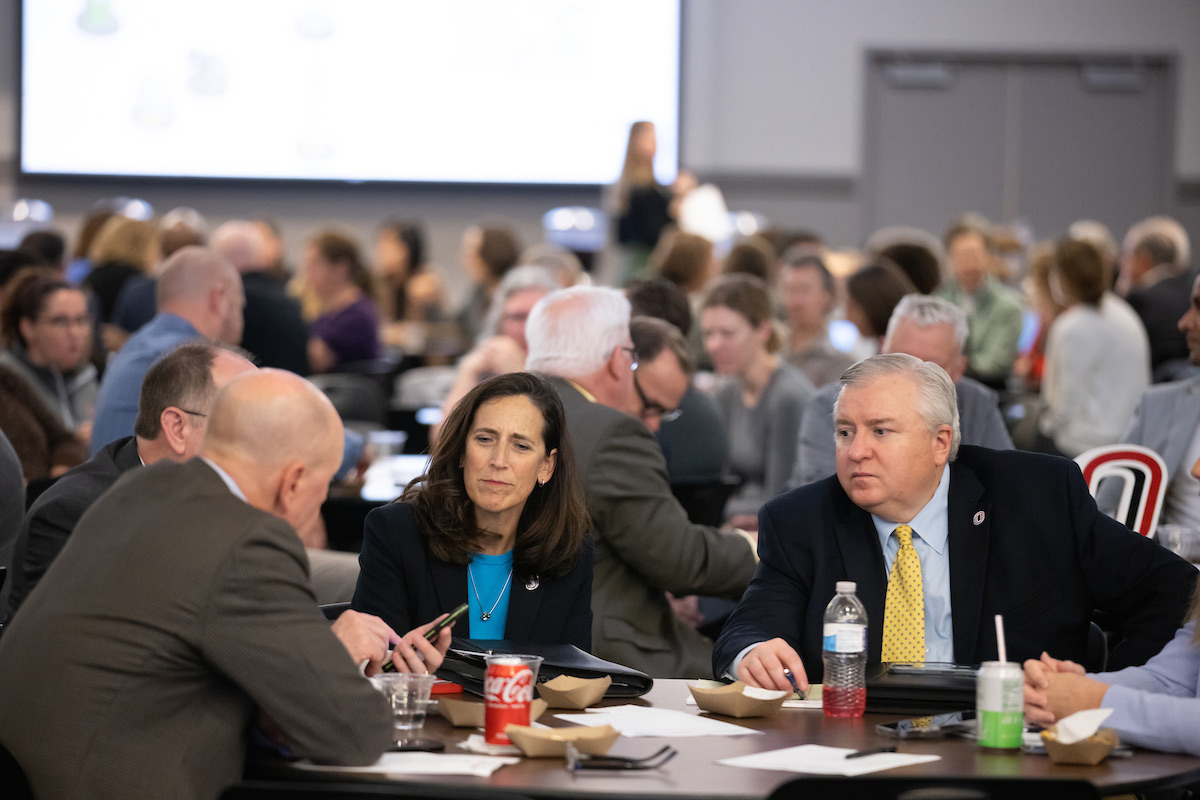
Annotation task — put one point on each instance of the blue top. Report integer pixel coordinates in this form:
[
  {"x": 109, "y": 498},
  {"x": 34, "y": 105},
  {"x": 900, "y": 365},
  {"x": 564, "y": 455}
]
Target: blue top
[
  {"x": 1158, "y": 705},
  {"x": 117, "y": 402},
  {"x": 492, "y": 584},
  {"x": 931, "y": 532}
]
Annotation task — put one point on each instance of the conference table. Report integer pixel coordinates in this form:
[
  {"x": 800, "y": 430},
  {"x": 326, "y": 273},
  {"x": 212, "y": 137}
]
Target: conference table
[{"x": 695, "y": 773}]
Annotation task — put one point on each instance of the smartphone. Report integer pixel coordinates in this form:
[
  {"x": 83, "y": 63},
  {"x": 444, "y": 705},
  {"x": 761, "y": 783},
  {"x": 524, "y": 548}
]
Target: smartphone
[
  {"x": 940, "y": 726},
  {"x": 430, "y": 635}
]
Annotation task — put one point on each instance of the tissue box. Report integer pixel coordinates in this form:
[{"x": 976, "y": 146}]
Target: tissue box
[{"x": 1089, "y": 752}]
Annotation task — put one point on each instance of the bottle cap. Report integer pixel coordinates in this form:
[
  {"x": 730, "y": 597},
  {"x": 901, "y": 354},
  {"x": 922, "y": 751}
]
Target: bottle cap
[{"x": 846, "y": 587}]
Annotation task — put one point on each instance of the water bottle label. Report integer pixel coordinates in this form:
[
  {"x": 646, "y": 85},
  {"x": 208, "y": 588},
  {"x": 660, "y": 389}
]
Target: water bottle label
[{"x": 841, "y": 637}]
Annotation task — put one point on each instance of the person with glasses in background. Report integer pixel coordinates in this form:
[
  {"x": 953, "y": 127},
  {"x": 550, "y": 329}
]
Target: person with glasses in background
[
  {"x": 645, "y": 545},
  {"x": 762, "y": 400}
]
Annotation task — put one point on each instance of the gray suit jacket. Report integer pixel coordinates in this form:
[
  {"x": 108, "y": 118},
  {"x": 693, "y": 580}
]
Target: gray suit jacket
[
  {"x": 979, "y": 421},
  {"x": 135, "y": 667},
  {"x": 645, "y": 546},
  {"x": 1165, "y": 421}
]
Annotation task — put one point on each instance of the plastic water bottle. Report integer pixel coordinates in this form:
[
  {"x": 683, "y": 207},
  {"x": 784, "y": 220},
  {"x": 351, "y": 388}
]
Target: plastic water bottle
[{"x": 844, "y": 692}]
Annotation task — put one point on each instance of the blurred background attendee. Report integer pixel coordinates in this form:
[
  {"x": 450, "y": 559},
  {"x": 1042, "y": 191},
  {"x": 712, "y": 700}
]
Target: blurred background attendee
[
  {"x": 1097, "y": 356},
  {"x": 686, "y": 260},
  {"x": 567, "y": 268},
  {"x": 1158, "y": 285},
  {"x": 763, "y": 402},
  {"x": 346, "y": 329},
  {"x": 274, "y": 331},
  {"x": 136, "y": 305},
  {"x": 502, "y": 346},
  {"x": 752, "y": 255},
  {"x": 694, "y": 443},
  {"x": 807, "y": 292},
  {"x": 124, "y": 248},
  {"x": 994, "y": 310},
  {"x": 48, "y": 247},
  {"x": 47, "y": 335},
  {"x": 272, "y": 233},
  {"x": 11, "y": 263},
  {"x": 487, "y": 252},
  {"x": 1030, "y": 365},
  {"x": 45, "y": 447},
  {"x": 872, "y": 292},
  {"x": 81, "y": 263},
  {"x": 644, "y": 207},
  {"x": 499, "y": 520},
  {"x": 410, "y": 289},
  {"x": 917, "y": 253}
]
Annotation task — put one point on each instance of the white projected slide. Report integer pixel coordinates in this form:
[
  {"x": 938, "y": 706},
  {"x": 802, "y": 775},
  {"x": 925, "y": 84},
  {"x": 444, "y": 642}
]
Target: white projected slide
[{"x": 505, "y": 91}]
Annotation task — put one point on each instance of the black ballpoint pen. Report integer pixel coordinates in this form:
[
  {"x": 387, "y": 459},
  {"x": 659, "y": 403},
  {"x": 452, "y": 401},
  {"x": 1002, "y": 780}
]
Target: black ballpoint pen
[{"x": 860, "y": 753}]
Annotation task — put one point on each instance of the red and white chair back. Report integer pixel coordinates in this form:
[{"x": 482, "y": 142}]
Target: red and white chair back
[{"x": 1144, "y": 477}]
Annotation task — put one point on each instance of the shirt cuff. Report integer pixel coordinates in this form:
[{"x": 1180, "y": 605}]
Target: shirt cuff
[{"x": 732, "y": 672}]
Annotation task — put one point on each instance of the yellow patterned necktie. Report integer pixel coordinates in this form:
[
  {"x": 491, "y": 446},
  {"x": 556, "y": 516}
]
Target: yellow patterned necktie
[{"x": 904, "y": 612}]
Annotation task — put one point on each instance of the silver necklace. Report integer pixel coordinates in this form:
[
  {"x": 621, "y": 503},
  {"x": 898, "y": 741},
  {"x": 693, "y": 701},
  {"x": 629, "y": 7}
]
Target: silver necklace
[{"x": 486, "y": 615}]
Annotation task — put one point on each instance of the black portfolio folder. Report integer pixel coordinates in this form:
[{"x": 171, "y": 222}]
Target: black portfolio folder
[{"x": 465, "y": 665}]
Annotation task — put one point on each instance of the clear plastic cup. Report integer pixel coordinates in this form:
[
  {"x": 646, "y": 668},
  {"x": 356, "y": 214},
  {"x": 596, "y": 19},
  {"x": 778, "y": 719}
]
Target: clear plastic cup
[{"x": 407, "y": 694}]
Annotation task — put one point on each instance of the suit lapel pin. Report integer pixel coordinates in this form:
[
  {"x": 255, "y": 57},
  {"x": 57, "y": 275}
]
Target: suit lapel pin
[
  {"x": 532, "y": 583},
  {"x": 979, "y": 517}
]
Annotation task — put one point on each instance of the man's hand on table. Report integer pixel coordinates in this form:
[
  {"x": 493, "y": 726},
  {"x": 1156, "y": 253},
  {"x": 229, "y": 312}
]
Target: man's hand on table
[
  {"x": 764, "y": 667},
  {"x": 367, "y": 638},
  {"x": 1057, "y": 688}
]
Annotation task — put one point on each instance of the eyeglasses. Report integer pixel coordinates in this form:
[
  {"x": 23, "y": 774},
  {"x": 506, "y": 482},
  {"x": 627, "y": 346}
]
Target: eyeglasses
[
  {"x": 193, "y": 413},
  {"x": 633, "y": 355},
  {"x": 651, "y": 409}
]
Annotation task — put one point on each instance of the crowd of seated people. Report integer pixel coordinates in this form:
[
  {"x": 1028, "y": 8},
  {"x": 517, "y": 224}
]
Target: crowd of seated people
[{"x": 854, "y": 392}]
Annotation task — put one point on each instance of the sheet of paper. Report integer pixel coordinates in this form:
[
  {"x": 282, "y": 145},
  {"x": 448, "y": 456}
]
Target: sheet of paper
[
  {"x": 424, "y": 764},
  {"x": 642, "y": 721},
  {"x": 817, "y": 759}
]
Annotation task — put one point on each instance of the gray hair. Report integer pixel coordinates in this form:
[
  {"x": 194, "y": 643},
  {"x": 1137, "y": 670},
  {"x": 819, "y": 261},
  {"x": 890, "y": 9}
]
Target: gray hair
[
  {"x": 516, "y": 280},
  {"x": 1170, "y": 230},
  {"x": 937, "y": 400},
  {"x": 925, "y": 311},
  {"x": 572, "y": 332}
]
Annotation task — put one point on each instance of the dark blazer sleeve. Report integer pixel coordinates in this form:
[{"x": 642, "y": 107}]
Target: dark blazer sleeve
[
  {"x": 393, "y": 580},
  {"x": 776, "y": 602},
  {"x": 578, "y": 627},
  {"x": 262, "y": 622}
]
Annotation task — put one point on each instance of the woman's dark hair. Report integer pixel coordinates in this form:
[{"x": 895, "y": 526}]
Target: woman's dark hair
[
  {"x": 499, "y": 250},
  {"x": 877, "y": 288},
  {"x": 25, "y": 298},
  {"x": 338, "y": 248},
  {"x": 410, "y": 234},
  {"x": 1081, "y": 271},
  {"x": 554, "y": 523},
  {"x": 748, "y": 296},
  {"x": 751, "y": 256},
  {"x": 918, "y": 262}
]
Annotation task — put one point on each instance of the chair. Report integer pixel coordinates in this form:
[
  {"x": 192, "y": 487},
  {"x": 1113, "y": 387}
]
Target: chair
[
  {"x": 357, "y": 398},
  {"x": 931, "y": 788},
  {"x": 1143, "y": 475},
  {"x": 12, "y": 777}
]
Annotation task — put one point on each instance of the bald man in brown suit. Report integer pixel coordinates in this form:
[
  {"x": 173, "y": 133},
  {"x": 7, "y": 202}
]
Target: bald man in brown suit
[{"x": 181, "y": 608}]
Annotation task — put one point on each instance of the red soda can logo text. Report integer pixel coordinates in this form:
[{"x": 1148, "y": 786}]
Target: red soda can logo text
[{"x": 507, "y": 693}]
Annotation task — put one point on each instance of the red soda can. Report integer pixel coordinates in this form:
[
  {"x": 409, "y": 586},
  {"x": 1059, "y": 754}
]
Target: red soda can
[{"x": 507, "y": 694}]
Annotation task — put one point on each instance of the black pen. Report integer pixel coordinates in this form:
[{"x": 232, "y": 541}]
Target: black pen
[
  {"x": 792, "y": 680},
  {"x": 860, "y": 753}
]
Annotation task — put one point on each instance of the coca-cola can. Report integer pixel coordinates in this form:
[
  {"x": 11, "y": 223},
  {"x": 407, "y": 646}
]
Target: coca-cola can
[{"x": 507, "y": 694}]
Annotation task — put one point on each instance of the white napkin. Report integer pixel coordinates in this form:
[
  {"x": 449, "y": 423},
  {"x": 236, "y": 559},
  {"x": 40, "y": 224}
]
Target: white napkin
[{"x": 1081, "y": 725}]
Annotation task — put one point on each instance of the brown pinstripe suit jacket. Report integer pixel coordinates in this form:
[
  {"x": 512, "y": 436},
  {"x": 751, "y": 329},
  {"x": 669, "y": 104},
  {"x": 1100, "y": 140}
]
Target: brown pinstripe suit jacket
[{"x": 135, "y": 667}]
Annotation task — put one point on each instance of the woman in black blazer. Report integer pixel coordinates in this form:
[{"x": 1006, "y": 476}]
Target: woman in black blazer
[{"x": 498, "y": 522}]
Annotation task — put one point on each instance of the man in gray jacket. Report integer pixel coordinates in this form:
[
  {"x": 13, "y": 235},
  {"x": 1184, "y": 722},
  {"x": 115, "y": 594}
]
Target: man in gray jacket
[
  {"x": 932, "y": 329},
  {"x": 645, "y": 545}
]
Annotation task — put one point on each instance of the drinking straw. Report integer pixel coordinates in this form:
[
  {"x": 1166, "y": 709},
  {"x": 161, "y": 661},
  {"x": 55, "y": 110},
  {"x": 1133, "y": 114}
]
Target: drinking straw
[{"x": 1000, "y": 637}]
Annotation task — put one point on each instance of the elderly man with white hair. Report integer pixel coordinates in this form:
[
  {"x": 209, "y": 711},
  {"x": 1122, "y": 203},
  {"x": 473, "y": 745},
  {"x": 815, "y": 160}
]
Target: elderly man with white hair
[
  {"x": 645, "y": 545},
  {"x": 939, "y": 539},
  {"x": 934, "y": 330},
  {"x": 1157, "y": 283}
]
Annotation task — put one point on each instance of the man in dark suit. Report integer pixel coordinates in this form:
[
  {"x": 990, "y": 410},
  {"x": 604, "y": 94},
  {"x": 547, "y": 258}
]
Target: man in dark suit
[
  {"x": 1158, "y": 285},
  {"x": 273, "y": 329},
  {"x": 645, "y": 545},
  {"x": 994, "y": 532},
  {"x": 172, "y": 411},
  {"x": 181, "y": 609}
]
